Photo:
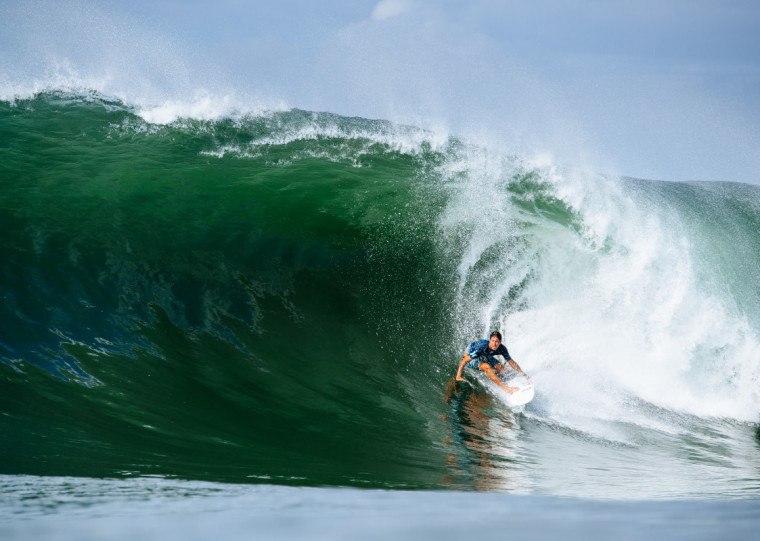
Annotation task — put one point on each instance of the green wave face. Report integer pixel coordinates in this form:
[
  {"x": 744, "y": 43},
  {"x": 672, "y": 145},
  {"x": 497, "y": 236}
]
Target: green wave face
[
  {"x": 212, "y": 299},
  {"x": 283, "y": 298}
]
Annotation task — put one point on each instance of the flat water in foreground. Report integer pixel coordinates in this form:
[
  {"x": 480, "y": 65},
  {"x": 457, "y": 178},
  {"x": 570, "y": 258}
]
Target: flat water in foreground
[{"x": 152, "y": 508}]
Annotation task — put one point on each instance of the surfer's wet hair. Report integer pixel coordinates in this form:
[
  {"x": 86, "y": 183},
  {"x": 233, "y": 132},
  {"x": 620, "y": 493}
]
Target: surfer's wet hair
[{"x": 497, "y": 334}]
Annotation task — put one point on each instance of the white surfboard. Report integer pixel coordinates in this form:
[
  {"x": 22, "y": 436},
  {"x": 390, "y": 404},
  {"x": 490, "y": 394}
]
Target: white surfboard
[
  {"x": 523, "y": 395},
  {"x": 520, "y": 397}
]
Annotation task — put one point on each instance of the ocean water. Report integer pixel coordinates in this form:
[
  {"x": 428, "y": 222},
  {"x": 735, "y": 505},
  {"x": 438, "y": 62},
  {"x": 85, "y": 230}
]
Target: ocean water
[
  {"x": 259, "y": 316},
  {"x": 75, "y": 508}
]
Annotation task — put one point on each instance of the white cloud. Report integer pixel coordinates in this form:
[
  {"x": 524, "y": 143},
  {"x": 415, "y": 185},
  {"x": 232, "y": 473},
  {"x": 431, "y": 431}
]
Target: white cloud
[{"x": 390, "y": 8}]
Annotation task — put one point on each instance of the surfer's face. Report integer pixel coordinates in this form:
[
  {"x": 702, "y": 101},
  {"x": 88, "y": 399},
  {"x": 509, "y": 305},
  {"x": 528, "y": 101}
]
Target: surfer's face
[{"x": 494, "y": 342}]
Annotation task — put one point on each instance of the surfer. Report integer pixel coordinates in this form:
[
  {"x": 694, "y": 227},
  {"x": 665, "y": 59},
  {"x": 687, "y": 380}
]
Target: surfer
[{"x": 480, "y": 355}]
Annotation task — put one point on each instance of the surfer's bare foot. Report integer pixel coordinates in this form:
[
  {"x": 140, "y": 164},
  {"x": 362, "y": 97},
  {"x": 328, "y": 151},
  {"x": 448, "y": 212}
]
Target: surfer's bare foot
[{"x": 511, "y": 389}]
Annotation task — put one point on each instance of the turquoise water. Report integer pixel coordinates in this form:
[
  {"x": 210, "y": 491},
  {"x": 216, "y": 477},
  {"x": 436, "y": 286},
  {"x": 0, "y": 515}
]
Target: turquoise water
[{"x": 282, "y": 299}]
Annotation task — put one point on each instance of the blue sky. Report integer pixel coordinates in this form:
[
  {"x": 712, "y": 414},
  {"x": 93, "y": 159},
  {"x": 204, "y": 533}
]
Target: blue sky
[{"x": 653, "y": 89}]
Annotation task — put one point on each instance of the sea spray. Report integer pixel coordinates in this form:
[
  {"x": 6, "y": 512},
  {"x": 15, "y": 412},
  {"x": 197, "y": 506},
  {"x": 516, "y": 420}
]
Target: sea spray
[{"x": 615, "y": 289}]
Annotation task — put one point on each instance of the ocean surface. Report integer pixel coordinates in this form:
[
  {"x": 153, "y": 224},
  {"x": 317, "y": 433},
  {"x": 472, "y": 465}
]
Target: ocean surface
[{"x": 257, "y": 318}]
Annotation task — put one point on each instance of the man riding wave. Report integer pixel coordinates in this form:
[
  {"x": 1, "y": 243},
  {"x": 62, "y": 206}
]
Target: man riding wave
[{"x": 480, "y": 356}]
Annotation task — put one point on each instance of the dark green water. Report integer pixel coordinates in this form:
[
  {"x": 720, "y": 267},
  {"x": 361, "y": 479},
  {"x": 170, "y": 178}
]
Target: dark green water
[{"x": 166, "y": 311}]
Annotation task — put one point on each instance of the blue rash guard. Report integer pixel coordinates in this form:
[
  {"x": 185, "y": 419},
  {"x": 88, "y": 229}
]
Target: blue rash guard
[{"x": 481, "y": 353}]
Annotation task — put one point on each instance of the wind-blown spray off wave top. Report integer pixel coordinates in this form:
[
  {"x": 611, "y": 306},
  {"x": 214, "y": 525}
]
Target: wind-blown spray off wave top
[{"x": 285, "y": 296}]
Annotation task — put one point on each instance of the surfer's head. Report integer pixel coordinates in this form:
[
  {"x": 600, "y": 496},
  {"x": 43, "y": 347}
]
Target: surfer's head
[{"x": 495, "y": 340}]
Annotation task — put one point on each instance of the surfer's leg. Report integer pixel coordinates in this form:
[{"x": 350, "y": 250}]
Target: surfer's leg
[{"x": 485, "y": 367}]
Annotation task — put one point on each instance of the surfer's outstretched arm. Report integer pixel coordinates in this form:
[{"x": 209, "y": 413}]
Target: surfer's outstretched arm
[{"x": 516, "y": 367}]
